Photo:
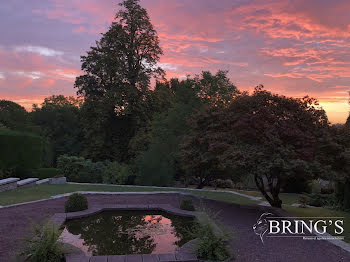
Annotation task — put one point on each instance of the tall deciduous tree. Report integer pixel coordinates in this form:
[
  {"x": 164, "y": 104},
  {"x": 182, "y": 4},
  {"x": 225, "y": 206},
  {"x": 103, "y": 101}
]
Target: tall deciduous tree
[
  {"x": 267, "y": 135},
  {"x": 159, "y": 164},
  {"x": 116, "y": 82}
]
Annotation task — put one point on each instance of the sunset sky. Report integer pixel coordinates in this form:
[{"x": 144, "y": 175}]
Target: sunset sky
[{"x": 294, "y": 47}]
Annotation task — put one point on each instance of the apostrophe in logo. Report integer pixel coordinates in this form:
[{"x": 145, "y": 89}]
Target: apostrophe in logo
[{"x": 261, "y": 226}]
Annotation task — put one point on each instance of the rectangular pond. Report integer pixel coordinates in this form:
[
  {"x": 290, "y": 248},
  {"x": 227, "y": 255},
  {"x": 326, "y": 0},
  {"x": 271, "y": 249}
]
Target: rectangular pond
[{"x": 128, "y": 232}]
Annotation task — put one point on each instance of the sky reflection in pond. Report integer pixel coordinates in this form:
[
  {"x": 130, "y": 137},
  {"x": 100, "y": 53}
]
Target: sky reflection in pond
[{"x": 128, "y": 232}]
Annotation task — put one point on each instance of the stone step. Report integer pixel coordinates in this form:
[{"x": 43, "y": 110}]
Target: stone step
[
  {"x": 27, "y": 182},
  {"x": 42, "y": 181},
  {"x": 8, "y": 184},
  {"x": 8, "y": 180}
]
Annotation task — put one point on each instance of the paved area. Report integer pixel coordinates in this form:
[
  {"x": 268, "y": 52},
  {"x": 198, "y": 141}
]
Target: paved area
[{"x": 15, "y": 224}]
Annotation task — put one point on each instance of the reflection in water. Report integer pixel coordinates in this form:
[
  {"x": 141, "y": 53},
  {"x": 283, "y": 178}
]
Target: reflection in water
[{"x": 120, "y": 233}]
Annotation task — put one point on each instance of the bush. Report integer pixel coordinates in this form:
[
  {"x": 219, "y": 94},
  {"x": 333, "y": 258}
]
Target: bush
[
  {"x": 342, "y": 195},
  {"x": 155, "y": 167},
  {"x": 210, "y": 246},
  {"x": 320, "y": 200},
  {"x": 79, "y": 169},
  {"x": 76, "y": 202},
  {"x": 212, "y": 242},
  {"x": 223, "y": 183},
  {"x": 247, "y": 182},
  {"x": 43, "y": 244},
  {"x": 20, "y": 152},
  {"x": 295, "y": 184},
  {"x": 187, "y": 204},
  {"x": 43, "y": 173},
  {"x": 117, "y": 173},
  {"x": 303, "y": 201},
  {"x": 315, "y": 187}
]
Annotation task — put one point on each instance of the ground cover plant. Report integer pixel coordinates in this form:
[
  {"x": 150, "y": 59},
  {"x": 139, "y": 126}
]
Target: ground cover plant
[
  {"x": 187, "y": 204},
  {"x": 212, "y": 238},
  {"x": 43, "y": 244}
]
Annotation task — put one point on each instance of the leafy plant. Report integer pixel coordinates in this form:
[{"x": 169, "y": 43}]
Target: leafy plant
[
  {"x": 211, "y": 246},
  {"x": 117, "y": 173},
  {"x": 76, "y": 202},
  {"x": 303, "y": 201},
  {"x": 187, "y": 204},
  {"x": 223, "y": 183},
  {"x": 212, "y": 238},
  {"x": 43, "y": 245},
  {"x": 320, "y": 200},
  {"x": 79, "y": 169}
]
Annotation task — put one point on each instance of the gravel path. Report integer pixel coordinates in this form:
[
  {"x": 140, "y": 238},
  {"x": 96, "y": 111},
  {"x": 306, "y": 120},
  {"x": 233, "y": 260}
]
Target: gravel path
[{"x": 15, "y": 223}]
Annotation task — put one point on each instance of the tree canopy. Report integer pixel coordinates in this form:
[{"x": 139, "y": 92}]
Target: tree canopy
[
  {"x": 116, "y": 81},
  {"x": 267, "y": 135},
  {"x": 59, "y": 120},
  {"x": 12, "y": 115}
]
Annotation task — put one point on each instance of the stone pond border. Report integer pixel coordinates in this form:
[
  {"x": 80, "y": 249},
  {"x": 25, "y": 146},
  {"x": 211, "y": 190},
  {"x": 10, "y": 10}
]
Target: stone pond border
[{"x": 185, "y": 253}]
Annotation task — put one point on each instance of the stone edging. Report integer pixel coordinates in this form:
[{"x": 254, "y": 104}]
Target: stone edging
[
  {"x": 101, "y": 193},
  {"x": 185, "y": 253},
  {"x": 177, "y": 188}
]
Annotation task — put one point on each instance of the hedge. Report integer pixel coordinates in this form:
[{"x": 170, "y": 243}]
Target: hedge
[
  {"x": 20, "y": 151},
  {"x": 43, "y": 173}
]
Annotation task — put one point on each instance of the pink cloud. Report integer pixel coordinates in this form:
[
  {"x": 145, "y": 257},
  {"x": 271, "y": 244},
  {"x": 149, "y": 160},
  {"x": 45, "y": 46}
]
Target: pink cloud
[{"x": 293, "y": 47}]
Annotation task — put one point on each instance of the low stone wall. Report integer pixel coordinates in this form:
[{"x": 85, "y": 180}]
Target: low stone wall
[
  {"x": 185, "y": 253},
  {"x": 8, "y": 184},
  {"x": 29, "y": 182},
  {"x": 58, "y": 180}
]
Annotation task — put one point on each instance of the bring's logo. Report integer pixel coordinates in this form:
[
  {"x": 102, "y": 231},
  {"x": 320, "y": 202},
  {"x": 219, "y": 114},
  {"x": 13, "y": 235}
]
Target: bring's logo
[{"x": 308, "y": 228}]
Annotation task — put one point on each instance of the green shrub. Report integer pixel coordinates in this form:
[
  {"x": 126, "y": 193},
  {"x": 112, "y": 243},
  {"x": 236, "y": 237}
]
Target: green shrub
[
  {"x": 20, "y": 152},
  {"x": 303, "y": 200},
  {"x": 79, "y": 169},
  {"x": 342, "y": 195},
  {"x": 212, "y": 241},
  {"x": 43, "y": 244},
  {"x": 6, "y": 173},
  {"x": 76, "y": 202},
  {"x": 117, "y": 173},
  {"x": 346, "y": 201},
  {"x": 223, "y": 183},
  {"x": 43, "y": 173},
  {"x": 321, "y": 200},
  {"x": 296, "y": 184},
  {"x": 187, "y": 204},
  {"x": 315, "y": 187},
  {"x": 155, "y": 167}
]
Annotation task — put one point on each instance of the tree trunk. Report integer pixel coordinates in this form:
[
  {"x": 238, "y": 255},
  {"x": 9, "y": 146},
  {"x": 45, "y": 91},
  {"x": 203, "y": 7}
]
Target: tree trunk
[
  {"x": 274, "y": 201},
  {"x": 201, "y": 183}
]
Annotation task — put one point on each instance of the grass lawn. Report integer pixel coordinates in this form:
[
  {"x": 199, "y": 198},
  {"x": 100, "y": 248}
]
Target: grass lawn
[
  {"x": 287, "y": 198},
  {"x": 46, "y": 191},
  {"x": 323, "y": 212}
]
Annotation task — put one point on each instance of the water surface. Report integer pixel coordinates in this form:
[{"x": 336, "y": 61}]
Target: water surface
[{"x": 128, "y": 232}]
